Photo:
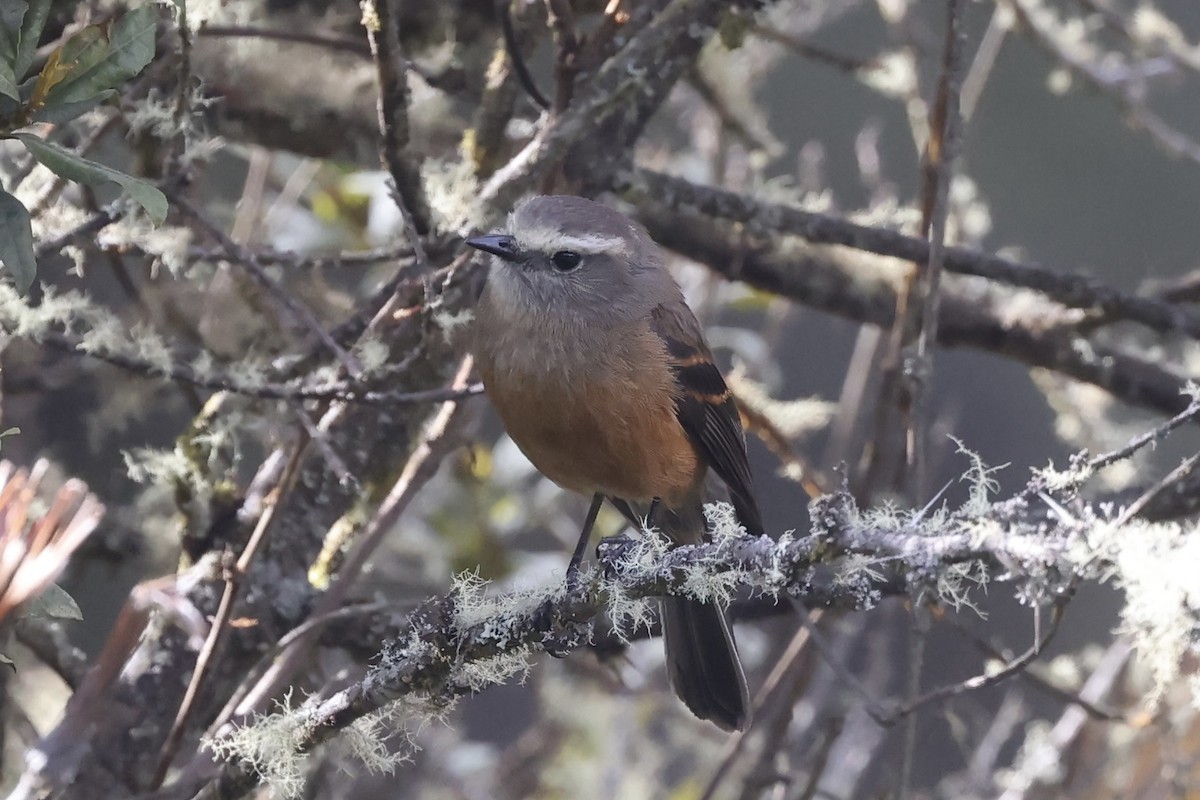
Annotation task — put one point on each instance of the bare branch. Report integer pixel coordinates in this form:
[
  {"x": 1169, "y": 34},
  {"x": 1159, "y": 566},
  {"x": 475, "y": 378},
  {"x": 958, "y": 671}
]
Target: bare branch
[
  {"x": 384, "y": 34},
  {"x": 863, "y": 288},
  {"x": 1071, "y": 289}
]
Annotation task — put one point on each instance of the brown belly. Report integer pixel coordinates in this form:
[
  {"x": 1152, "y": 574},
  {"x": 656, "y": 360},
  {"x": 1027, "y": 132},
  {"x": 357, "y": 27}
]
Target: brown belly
[{"x": 618, "y": 437}]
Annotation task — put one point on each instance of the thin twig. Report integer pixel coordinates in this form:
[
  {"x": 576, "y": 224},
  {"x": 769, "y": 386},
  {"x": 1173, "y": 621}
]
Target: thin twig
[
  {"x": 1169, "y": 47},
  {"x": 183, "y": 89},
  {"x": 1070, "y": 723},
  {"x": 783, "y": 666},
  {"x": 392, "y": 69},
  {"x": 831, "y": 731},
  {"x": 851, "y": 406},
  {"x": 422, "y": 463},
  {"x": 1150, "y": 437},
  {"x": 630, "y": 85},
  {"x": 940, "y": 154},
  {"x": 918, "y": 642},
  {"x": 504, "y": 11},
  {"x": 985, "y": 59},
  {"x": 1126, "y": 92},
  {"x": 562, "y": 24},
  {"x": 330, "y": 41},
  {"x": 220, "y": 624},
  {"x": 290, "y": 639},
  {"x": 248, "y": 260},
  {"x": 819, "y": 54},
  {"x": 349, "y": 391},
  {"x": 361, "y": 258},
  {"x": 982, "y": 681},
  {"x": 1093, "y": 709},
  {"x": 1185, "y": 468},
  {"x": 92, "y": 225},
  {"x": 841, "y": 674}
]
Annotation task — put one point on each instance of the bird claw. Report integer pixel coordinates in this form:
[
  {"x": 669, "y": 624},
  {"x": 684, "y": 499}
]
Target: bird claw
[
  {"x": 561, "y": 636},
  {"x": 611, "y": 551}
]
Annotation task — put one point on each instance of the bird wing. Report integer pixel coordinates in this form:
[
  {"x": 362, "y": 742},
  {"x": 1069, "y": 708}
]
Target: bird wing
[{"x": 706, "y": 409}]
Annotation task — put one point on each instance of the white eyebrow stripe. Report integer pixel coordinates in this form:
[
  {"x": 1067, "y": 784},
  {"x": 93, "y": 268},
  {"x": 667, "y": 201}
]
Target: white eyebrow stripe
[{"x": 549, "y": 241}]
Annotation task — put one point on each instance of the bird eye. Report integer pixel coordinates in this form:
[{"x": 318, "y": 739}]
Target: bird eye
[{"x": 565, "y": 260}]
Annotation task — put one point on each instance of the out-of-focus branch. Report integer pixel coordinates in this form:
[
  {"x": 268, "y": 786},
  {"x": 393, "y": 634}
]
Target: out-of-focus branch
[
  {"x": 862, "y": 287},
  {"x": 332, "y": 41},
  {"x": 1100, "y": 684},
  {"x": 924, "y": 297},
  {"x": 562, "y": 22},
  {"x": 1071, "y": 289},
  {"x": 296, "y": 261},
  {"x": 623, "y": 92},
  {"x": 1094, "y": 66},
  {"x": 234, "y": 576},
  {"x": 384, "y": 35},
  {"x": 247, "y": 260},
  {"x": 47, "y": 640},
  {"x": 348, "y": 390},
  {"x": 487, "y": 144}
]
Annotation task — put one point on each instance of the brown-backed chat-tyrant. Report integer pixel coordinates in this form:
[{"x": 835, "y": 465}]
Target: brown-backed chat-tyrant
[{"x": 601, "y": 375}]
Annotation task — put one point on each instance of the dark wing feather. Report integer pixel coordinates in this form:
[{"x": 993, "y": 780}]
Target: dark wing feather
[{"x": 706, "y": 409}]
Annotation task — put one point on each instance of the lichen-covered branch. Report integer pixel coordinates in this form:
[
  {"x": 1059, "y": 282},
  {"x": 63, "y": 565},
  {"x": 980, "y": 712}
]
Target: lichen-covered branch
[
  {"x": 845, "y": 279},
  {"x": 623, "y": 92},
  {"x": 467, "y": 640},
  {"x": 1071, "y": 289}
]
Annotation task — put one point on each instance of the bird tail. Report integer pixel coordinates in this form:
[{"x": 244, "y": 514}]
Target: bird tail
[
  {"x": 702, "y": 659},
  {"x": 703, "y": 664}
]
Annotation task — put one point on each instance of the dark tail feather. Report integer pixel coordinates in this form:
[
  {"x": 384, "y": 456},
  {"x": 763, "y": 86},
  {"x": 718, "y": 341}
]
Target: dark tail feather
[{"x": 702, "y": 662}]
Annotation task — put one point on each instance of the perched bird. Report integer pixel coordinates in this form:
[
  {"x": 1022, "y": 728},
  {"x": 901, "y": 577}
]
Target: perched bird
[{"x": 601, "y": 375}]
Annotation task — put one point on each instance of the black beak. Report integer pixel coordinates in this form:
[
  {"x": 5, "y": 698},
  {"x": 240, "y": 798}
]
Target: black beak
[{"x": 501, "y": 246}]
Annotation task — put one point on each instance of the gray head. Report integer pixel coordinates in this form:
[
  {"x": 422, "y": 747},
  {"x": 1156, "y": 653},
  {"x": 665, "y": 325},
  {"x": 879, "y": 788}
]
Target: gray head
[{"x": 565, "y": 258}]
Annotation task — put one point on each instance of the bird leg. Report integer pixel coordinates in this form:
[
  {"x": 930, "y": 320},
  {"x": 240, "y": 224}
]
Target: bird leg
[
  {"x": 649, "y": 521},
  {"x": 584, "y": 535},
  {"x": 562, "y": 638}
]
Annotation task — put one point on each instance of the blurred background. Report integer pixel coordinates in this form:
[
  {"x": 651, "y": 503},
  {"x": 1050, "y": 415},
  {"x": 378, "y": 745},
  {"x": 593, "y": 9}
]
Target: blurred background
[{"x": 1079, "y": 151}]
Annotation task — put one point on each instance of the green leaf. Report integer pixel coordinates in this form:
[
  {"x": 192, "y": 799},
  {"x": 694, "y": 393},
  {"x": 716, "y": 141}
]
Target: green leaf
[
  {"x": 54, "y": 72},
  {"x": 59, "y": 113},
  {"x": 77, "y": 168},
  {"x": 12, "y": 12},
  {"x": 74, "y": 59},
  {"x": 16, "y": 241},
  {"x": 8, "y": 82},
  {"x": 130, "y": 49},
  {"x": 13, "y": 431},
  {"x": 31, "y": 33},
  {"x": 54, "y": 603}
]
